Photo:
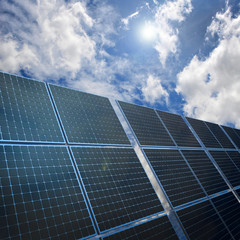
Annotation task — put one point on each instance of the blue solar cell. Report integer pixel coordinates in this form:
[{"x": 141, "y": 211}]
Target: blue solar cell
[
  {"x": 201, "y": 221},
  {"x": 156, "y": 229},
  {"x": 229, "y": 209},
  {"x": 116, "y": 184},
  {"x": 88, "y": 118},
  {"x": 227, "y": 166},
  {"x": 174, "y": 174},
  {"x": 220, "y": 135},
  {"x": 235, "y": 156},
  {"x": 233, "y": 135},
  {"x": 26, "y": 113},
  {"x": 237, "y": 131},
  {"x": 40, "y": 195},
  {"x": 178, "y": 129},
  {"x": 146, "y": 125},
  {"x": 204, "y": 133},
  {"x": 206, "y": 172}
]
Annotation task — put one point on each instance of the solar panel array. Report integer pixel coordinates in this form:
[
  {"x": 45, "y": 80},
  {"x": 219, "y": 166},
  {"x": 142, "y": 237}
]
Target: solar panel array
[{"x": 68, "y": 170}]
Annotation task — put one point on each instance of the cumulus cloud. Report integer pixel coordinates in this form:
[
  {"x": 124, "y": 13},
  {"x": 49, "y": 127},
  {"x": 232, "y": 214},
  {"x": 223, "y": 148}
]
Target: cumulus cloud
[
  {"x": 63, "y": 40},
  {"x": 45, "y": 38},
  {"x": 153, "y": 91},
  {"x": 166, "y": 17},
  {"x": 211, "y": 86}
]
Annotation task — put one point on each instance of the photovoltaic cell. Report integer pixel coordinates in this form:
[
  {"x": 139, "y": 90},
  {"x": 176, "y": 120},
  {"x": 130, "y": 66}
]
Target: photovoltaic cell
[
  {"x": 201, "y": 221},
  {"x": 116, "y": 184},
  {"x": 220, "y": 135},
  {"x": 235, "y": 156},
  {"x": 238, "y": 192},
  {"x": 237, "y": 131},
  {"x": 206, "y": 172},
  {"x": 40, "y": 195},
  {"x": 88, "y": 118},
  {"x": 178, "y": 129},
  {"x": 159, "y": 228},
  {"x": 204, "y": 133},
  {"x": 26, "y": 113},
  {"x": 227, "y": 166},
  {"x": 229, "y": 209},
  {"x": 146, "y": 125},
  {"x": 175, "y": 176},
  {"x": 233, "y": 135}
]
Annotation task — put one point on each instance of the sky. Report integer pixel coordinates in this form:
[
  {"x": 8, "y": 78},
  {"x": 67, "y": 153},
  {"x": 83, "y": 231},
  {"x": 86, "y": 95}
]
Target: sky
[{"x": 181, "y": 56}]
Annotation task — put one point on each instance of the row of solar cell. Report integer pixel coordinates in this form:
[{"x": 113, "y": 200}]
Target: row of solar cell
[
  {"x": 149, "y": 129},
  {"x": 156, "y": 229},
  {"x": 229, "y": 162},
  {"x": 218, "y": 218},
  {"x": 180, "y": 179},
  {"x": 27, "y": 115},
  {"x": 41, "y": 193},
  {"x": 39, "y": 186},
  {"x": 234, "y": 134}
]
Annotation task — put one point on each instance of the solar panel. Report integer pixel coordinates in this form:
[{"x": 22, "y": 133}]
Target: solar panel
[
  {"x": 220, "y": 135},
  {"x": 178, "y": 129},
  {"x": 146, "y": 125},
  {"x": 175, "y": 176},
  {"x": 237, "y": 131},
  {"x": 206, "y": 172},
  {"x": 116, "y": 184},
  {"x": 156, "y": 229},
  {"x": 88, "y": 118},
  {"x": 201, "y": 221},
  {"x": 26, "y": 113},
  {"x": 227, "y": 166},
  {"x": 238, "y": 192},
  {"x": 204, "y": 133},
  {"x": 233, "y": 135},
  {"x": 235, "y": 156},
  {"x": 40, "y": 195},
  {"x": 229, "y": 209}
]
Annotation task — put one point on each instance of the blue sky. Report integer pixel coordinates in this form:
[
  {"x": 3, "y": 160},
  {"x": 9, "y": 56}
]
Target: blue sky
[{"x": 180, "y": 56}]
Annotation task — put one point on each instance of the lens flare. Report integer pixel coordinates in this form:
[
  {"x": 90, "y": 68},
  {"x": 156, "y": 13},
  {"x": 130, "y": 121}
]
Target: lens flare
[{"x": 149, "y": 32}]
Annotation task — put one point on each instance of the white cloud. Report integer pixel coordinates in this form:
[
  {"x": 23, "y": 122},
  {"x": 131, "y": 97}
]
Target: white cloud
[
  {"x": 153, "y": 91},
  {"x": 211, "y": 86},
  {"x": 166, "y": 17},
  {"x": 126, "y": 20},
  {"x": 50, "y": 34},
  {"x": 63, "y": 40},
  {"x": 164, "y": 22}
]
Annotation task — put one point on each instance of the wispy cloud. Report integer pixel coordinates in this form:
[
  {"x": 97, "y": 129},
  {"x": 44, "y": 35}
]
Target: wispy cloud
[
  {"x": 126, "y": 20},
  {"x": 166, "y": 17},
  {"x": 211, "y": 86}
]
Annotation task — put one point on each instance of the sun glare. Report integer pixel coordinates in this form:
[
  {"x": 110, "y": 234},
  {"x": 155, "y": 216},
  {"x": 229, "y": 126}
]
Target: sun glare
[{"x": 148, "y": 32}]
